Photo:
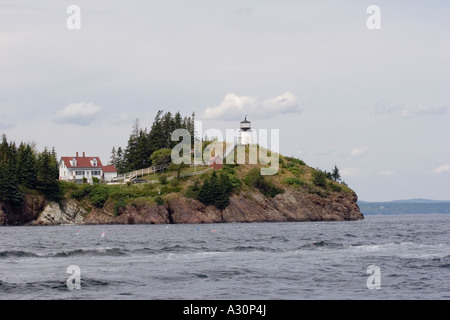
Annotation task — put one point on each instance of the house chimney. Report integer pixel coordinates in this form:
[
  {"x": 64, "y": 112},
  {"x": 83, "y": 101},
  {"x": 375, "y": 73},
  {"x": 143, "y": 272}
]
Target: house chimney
[
  {"x": 77, "y": 154},
  {"x": 83, "y": 154}
]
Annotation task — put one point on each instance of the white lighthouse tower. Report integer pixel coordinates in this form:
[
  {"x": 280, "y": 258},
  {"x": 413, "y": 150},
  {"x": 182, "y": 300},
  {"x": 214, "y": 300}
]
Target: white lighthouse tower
[{"x": 245, "y": 135}]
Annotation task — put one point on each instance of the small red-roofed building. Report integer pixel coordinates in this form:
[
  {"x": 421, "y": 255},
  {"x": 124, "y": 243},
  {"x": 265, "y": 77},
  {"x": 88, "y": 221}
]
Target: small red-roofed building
[
  {"x": 76, "y": 168},
  {"x": 216, "y": 163}
]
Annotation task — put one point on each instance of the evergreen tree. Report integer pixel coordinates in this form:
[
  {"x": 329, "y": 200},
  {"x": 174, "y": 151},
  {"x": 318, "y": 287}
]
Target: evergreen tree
[
  {"x": 226, "y": 183},
  {"x": 9, "y": 186},
  {"x": 204, "y": 195},
  {"x": 113, "y": 158},
  {"x": 142, "y": 144},
  {"x": 47, "y": 175},
  {"x": 216, "y": 190},
  {"x": 222, "y": 201},
  {"x": 336, "y": 175},
  {"x": 26, "y": 166},
  {"x": 178, "y": 122},
  {"x": 168, "y": 125},
  {"x": 161, "y": 156},
  {"x": 214, "y": 186}
]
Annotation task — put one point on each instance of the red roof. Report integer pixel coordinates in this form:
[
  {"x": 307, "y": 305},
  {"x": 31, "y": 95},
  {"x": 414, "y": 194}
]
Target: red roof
[
  {"x": 82, "y": 162},
  {"x": 109, "y": 169}
]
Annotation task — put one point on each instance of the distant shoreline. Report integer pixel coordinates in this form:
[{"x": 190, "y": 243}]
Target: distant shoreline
[{"x": 414, "y": 206}]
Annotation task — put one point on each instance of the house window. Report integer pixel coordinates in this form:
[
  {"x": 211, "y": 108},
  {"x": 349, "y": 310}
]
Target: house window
[
  {"x": 95, "y": 173},
  {"x": 79, "y": 173}
]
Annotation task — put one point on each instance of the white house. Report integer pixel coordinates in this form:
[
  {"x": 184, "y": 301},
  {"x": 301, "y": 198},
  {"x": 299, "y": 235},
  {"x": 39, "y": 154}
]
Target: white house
[{"x": 76, "y": 168}]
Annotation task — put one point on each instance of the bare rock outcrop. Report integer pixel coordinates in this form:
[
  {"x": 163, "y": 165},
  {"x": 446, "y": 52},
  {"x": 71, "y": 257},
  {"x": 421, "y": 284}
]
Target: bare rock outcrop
[
  {"x": 65, "y": 212},
  {"x": 292, "y": 205},
  {"x": 254, "y": 207}
]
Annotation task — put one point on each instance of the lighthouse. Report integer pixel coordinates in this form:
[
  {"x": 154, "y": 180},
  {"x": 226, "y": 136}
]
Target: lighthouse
[{"x": 245, "y": 133}]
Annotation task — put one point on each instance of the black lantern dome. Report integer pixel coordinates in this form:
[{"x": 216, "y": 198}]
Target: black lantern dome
[{"x": 245, "y": 125}]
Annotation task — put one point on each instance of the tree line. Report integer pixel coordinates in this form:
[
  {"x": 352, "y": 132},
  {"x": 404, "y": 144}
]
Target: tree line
[
  {"x": 23, "y": 168},
  {"x": 142, "y": 142}
]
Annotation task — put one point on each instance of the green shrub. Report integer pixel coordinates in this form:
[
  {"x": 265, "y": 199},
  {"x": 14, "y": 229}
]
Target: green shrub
[
  {"x": 266, "y": 187},
  {"x": 121, "y": 194},
  {"x": 77, "y": 194},
  {"x": 335, "y": 187},
  {"x": 296, "y": 171},
  {"x": 320, "y": 178},
  {"x": 235, "y": 182},
  {"x": 193, "y": 191},
  {"x": 98, "y": 195},
  {"x": 81, "y": 193},
  {"x": 119, "y": 206},
  {"x": 294, "y": 181},
  {"x": 163, "y": 179},
  {"x": 95, "y": 180},
  {"x": 67, "y": 186},
  {"x": 294, "y": 160},
  {"x": 159, "y": 200}
]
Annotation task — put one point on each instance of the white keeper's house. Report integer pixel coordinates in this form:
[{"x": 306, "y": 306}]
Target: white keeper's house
[{"x": 76, "y": 168}]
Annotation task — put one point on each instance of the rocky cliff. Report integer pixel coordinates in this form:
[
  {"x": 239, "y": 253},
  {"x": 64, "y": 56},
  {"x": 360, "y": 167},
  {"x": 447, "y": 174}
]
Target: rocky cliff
[{"x": 244, "y": 207}]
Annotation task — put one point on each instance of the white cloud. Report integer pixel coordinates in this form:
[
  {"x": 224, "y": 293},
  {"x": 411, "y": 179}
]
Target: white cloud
[
  {"x": 442, "y": 169},
  {"x": 386, "y": 173},
  {"x": 358, "y": 152},
  {"x": 422, "y": 110},
  {"x": 234, "y": 107},
  {"x": 408, "y": 111},
  {"x": 350, "y": 172},
  {"x": 81, "y": 113}
]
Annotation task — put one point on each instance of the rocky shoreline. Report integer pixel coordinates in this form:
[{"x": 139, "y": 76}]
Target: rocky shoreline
[{"x": 245, "y": 207}]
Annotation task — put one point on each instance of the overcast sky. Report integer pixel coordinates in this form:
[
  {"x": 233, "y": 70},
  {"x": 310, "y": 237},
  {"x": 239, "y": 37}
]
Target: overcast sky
[{"x": 374, "y": 102}]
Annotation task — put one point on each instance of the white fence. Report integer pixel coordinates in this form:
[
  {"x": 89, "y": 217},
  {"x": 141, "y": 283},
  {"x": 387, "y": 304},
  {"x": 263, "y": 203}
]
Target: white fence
[{"x": 142, "y": 172}]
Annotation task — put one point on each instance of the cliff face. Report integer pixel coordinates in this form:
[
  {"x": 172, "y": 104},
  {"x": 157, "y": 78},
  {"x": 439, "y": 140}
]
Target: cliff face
[
  {"x": 245, "y": 207},
  {"x": 254, "y": 207},
  {"x": 32, "y": 206}
]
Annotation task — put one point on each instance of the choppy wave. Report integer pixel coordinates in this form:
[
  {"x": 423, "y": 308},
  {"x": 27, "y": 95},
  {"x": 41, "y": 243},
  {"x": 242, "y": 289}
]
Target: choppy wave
[
  {"x": 51, "y": 287},
  {"x": 64, "y": 253},
  {"x": 17, "y": 254},
  {"x": 323, "y": 244},
  {"x": 245, "y": 261}
]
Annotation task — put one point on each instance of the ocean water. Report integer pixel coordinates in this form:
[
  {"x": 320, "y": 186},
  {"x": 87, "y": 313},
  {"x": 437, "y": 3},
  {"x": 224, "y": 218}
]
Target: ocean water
[{"x": 380, "y": 257}]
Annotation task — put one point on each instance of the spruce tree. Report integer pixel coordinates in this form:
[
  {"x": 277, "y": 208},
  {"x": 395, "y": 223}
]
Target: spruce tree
[
  {"x": 9, "y": 186},
  {"x": 222, "y": 201},
  {"x": 336, "y": 175},
  {"x": 113, "y": 158},
  {"x": 26, "y": 166},
  {"x": 226, "y": 183},
  {"x": 47, "y": 175},
  {"x": 204, "y": 194},
  {"x": 215, "y": 186},
  {"x": 120, "y": 165}
]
